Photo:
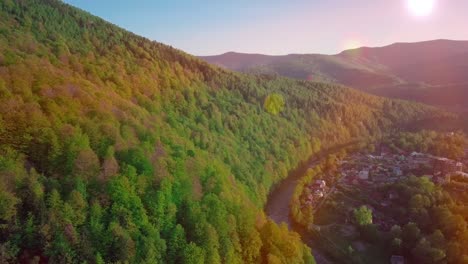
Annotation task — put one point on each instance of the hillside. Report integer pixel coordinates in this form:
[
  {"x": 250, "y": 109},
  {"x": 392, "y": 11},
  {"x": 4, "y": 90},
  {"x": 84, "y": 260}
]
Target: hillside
[
  {"x": 398, "y": 70},
  {"x": 117, "y": 149}
]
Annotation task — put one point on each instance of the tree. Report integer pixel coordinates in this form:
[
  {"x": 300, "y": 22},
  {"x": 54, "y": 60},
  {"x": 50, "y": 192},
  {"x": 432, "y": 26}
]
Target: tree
[
  {"x": 193, "y": 254},
  {"x": 99, "y": 259},
  {"x": 79, "y": 206},
  {"x": 454, "y": 253},
  {"x": 274, "y": 103},
  {"x": 411, "y": 234},
  {"x": 176, "y": 244},
  {"x": 396, "y": 246},
  {"x": 437, "y": 239},
  {"x": 136, "y": 158},
  {"x": 123, "y": 246},
  {"x": 251, "y": 244},
  {"x": 110, "y": 166},
  {"x": 86, "y": 164},
  {"x": 370, "y": 233},
  {"x": 395, "y": 231},
  {"x": 74, "y": 143},
  {"x": 425, "y": 253},
  {"x": 416, "y": 201},
  {"x": 73, "y": 87},
  {"x": 363, "y": 215},
  {"x": 8, "y": 252},
  {"x": 211, "y": 245},
  {"x": 8, "y": 204}
]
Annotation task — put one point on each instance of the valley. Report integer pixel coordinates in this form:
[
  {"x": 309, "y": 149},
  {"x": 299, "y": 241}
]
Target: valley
[
  {"x": 116, "y": 148},
  {"x": 278, "y": 204}
]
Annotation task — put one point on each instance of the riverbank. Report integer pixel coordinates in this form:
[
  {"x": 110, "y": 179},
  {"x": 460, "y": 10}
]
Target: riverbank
[{"x": 277, "y": 207}]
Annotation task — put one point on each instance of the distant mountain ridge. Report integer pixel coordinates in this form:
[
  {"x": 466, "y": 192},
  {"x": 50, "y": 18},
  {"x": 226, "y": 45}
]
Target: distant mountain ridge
[
  {"x": 118, "y": 149},
  {"x": 433, "y": 72}
]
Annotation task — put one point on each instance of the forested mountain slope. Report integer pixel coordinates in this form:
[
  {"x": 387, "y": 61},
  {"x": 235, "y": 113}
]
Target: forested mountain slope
[
  {"x": 433, "y": 72},
  {"x": 118, "y": 149}
]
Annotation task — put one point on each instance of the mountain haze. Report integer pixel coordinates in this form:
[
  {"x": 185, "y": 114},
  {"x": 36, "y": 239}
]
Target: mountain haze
[
  {"x": 118, "y": 149},
  {"x": 432, "y": 72}
]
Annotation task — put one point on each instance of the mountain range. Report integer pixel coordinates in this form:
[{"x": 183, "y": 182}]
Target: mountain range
[
  {"x": 432, "y": 72},
  {"x": 118, "y": 149}
]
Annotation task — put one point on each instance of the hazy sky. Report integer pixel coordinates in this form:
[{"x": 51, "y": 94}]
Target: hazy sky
[{"x": 207, "y": 27}]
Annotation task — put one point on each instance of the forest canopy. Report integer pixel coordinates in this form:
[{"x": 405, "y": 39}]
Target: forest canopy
[{"x": 120, "y": 149}]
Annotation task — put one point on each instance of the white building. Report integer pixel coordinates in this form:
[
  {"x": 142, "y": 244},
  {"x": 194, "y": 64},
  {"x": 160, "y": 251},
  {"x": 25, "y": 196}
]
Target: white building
[
  {"x": 461, "y": 174},
  {"x": 321, "y": 183},
  {"x": 318, "y": 193}
]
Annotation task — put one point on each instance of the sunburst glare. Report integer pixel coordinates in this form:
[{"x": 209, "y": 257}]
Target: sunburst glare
[{"x": 421, "y": 8}]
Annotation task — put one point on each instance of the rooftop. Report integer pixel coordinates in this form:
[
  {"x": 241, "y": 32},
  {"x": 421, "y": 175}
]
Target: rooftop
[{"x": 397, "y": 259}]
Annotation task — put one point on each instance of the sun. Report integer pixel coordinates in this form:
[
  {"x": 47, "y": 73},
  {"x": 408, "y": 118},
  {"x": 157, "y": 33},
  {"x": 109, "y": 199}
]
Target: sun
[
  {"x": 352, "y": 44},
  {"x": 421, "y": 7}
]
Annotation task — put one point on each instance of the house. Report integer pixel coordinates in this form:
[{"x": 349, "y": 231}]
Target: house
[
  {"x": 443, "y": 165},
  {"x": 393, "y": 195},
  {"x": 461, "y": 174},
  {"x": 392, "y": 179},
  {"x": 321, "y": 183},
  {"x": 397, "y": 171},
  {"x": 318, "y": 193},
  {"x": 363, "y": 175},
  {"x": 441, "y": 178},
  {"x": 395, "y": 259},
  {"x": 385, "y": 203},
  {"x": 459, "y": 166},
  {"x": 421, "y": 160}
]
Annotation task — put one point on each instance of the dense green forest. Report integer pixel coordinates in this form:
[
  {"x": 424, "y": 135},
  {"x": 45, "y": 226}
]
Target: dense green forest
[
  {"x": 433, "y": 223},
  {"x": 451, "y": 145},
  {"x": 118, "y": 149}
]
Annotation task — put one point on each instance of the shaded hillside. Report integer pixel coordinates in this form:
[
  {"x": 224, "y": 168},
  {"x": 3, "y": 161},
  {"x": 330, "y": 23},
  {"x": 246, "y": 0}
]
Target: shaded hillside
[
  {"x": 451, "y": 97},
  {"x": 397, "y": 70},
  {"x": 239, "y": 61},
  {"x": 313, "y": 67},
  {"x": 116, "y": 149},
  {"x": 396, "y": 57}
]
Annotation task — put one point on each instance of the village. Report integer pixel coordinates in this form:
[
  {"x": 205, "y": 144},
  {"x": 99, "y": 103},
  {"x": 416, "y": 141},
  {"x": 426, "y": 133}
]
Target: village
[
  {"x": 360, "y": 179},
  {"x": 385, "y": 167},
  {"x": 388, "y": 167}
]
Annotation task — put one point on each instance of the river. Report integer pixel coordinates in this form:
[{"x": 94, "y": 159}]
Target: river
[{"x": 277, "y": 206}]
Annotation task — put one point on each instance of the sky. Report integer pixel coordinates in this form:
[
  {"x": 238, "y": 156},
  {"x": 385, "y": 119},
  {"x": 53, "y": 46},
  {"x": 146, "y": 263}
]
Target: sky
[{"x": 210, "y": 27}]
